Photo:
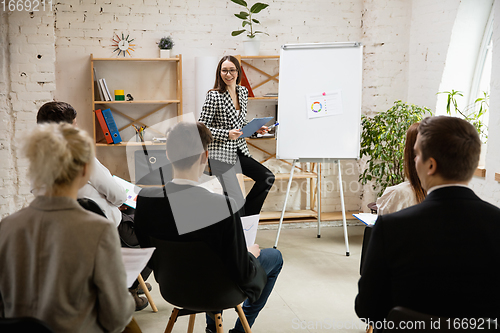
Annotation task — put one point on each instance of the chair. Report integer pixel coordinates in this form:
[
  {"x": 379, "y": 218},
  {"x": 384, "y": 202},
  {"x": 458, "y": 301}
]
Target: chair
[
  {"x": 24, "y": 324},
  {"x": 425, "y": 323},
  {"x": 193, "y": 279},
  {"x": 92, "y": 206}
]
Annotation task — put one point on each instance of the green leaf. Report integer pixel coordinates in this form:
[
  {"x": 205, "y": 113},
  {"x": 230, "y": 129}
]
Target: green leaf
[
  {"x": 255, "y": 21},
  {"x": 240, "y": 17},
  {"x": 244, "y": 14},
  {"x": 245, "y": 23},
  {"x": 261, "y": 32},
  {"x": 237, "y": 32},
  {"x": 240, "y": 2},
  {"x": 257, "y": 7}
]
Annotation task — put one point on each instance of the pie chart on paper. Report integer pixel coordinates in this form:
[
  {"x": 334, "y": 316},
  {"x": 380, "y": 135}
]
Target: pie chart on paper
[{"x": 316, "y": 107}]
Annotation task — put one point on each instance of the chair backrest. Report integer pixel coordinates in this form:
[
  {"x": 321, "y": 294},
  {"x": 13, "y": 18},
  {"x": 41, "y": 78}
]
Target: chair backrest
[
  {"x": 23, "y": 324},
  {"x": 420, "y": 322},
  {"x": 191, "y": 275},
  {"x": 91, "y": 205}
]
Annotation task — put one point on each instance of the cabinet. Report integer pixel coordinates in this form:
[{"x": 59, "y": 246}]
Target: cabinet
[
  {"x": 263, "y": 76},
  {"x": 156, "y": 87}
]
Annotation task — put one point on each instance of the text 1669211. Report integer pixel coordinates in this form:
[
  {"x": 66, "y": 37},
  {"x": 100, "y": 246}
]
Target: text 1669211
[{"x": 26, "y": 5}]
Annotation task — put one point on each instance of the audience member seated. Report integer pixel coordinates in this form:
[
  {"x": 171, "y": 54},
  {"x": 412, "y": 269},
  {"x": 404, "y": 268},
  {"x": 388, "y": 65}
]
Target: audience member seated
[
  {"x": 436, "y": 257},
  {"x": 61, "y": 263},
  {"x": 103, "y": 190},
  {"x": 409, "y": 192},
  {"x": 184, "y": 211}
]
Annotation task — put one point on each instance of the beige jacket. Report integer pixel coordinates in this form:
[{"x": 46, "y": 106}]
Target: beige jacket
[{"x": 63, "y": 265}]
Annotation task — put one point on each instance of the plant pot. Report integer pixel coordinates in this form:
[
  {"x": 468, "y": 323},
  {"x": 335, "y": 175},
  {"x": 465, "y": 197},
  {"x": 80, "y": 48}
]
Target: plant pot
[
  {"x": 252, "y": 46},
  {"x": 164, "y": 53}
]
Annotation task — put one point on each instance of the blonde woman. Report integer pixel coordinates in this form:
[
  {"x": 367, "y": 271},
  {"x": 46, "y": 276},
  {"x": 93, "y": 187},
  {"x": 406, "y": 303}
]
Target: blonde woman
[{"x": 61, "y": 263}]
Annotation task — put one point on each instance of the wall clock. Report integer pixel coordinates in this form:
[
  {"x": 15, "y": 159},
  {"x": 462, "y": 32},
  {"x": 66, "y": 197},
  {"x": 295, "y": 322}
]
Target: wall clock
[{"x": 123, "y": 45}]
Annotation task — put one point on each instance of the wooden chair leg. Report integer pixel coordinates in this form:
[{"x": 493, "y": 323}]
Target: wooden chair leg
[
  {"x": 243, "y": 319},
  {"x": 146, "y": 292},
  {"x": 171, "y": 320},
  {"x": 369, "y": 329},
  {"x": 218, "y": 322},
  {"x": 192, "y": 317}
]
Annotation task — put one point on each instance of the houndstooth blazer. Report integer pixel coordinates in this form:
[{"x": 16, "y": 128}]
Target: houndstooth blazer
[{"x": 220, "y": 116}]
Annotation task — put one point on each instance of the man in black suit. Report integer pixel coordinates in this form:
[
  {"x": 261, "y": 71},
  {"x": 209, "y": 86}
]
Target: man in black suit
[
  {"x": 182, "y": 210},
  {"x": 439, "y": 257}
]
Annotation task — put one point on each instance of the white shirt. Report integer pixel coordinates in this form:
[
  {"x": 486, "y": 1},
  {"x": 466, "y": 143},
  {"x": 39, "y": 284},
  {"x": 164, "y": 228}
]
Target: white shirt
[
  {"x": 396, "y": 198},
  {"x": 444, "y": 185},
  {"x": 105, "y": 191}
]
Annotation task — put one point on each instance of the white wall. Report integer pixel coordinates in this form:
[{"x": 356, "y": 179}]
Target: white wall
[
  {"x": 430, "y": 33},
  {"x": 487, "y": 188}
]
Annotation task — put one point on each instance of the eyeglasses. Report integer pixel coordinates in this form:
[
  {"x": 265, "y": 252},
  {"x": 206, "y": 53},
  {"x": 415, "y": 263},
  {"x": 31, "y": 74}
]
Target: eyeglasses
[{"x": 227, "y": 71}]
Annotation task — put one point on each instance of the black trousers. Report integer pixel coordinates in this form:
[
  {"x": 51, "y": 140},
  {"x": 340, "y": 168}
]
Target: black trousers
[
  {"x": 263, "y": 177},
  {"x": 129, "y": 239}
]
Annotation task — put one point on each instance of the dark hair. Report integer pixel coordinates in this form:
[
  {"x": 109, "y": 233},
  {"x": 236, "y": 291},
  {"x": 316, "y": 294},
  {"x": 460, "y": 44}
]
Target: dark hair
[
  {"x": 409, "y": 163},
  {"x": 219, "y": 84},
  {"x": 453, "y": 143},
  {"x": 56, "y": 112},
  {"x": 185, "y": 143}
]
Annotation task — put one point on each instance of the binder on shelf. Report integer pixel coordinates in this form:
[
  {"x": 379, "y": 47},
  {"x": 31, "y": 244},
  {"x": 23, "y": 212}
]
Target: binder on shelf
[
  {"x": 113, "y": 129},
  {"x": 246, "y": 84},
  {"x": 104, "y": 126}
]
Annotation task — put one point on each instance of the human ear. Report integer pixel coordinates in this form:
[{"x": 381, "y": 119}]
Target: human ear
[{"x": 432, "y": 169}]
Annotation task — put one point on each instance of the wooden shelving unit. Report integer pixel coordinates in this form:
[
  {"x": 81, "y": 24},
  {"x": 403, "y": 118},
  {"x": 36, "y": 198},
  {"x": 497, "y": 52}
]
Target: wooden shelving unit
[
  {"x": 153, "y": 82},
  {"x": 156, "y": 87}
]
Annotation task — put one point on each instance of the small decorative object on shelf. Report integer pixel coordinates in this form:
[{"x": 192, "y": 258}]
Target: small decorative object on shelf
[
  {"x": 251, "y": 43},
  {"x": 165, "y": 44},
  {"x": 119, "y": 95},
  {"x": 130, "y": 98},
  {"x": 123, "y": 44}
]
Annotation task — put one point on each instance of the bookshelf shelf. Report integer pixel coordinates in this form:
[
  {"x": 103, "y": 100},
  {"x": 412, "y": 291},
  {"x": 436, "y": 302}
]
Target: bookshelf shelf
[
  {"x": 137, "y": 59},
  {"x": 131, "y": 144},
  {"x": 139, "y": 102}
]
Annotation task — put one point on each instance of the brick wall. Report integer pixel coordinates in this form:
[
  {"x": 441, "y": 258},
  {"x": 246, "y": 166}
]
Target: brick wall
[
  {"x": 430, "y": 33},
  {"x": 27, "y": 81},
  {"x": 405, "y": 47}
]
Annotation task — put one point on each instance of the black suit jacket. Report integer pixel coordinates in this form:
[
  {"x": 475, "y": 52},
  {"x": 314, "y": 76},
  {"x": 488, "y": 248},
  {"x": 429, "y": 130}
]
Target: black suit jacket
[
  {"x": 217, "y": 227},
  {"x": 440, "y": 257}
]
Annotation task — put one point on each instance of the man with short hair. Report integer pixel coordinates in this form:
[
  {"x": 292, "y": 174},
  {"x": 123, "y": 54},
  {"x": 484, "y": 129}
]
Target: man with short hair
[
  {"x": 438, "y": 257},
  {"x": 182, "y": 210},
  {"x": 108, "y": 194}
]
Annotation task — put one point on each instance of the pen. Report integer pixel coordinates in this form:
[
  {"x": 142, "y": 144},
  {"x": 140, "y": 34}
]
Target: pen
[{"x": 272, "y": 126}]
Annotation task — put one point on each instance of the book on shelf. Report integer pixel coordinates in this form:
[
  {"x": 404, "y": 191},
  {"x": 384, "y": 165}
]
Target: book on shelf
[
  {"x": 104, "y": 126},
  {"x": 246, "y": 84},
  {"x": 105, "y": 90},
  {"x": 113, "y": 129},
  {"x": 97, "y": 90}
]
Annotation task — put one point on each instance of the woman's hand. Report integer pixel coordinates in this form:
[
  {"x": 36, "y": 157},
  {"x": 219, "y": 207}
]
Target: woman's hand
[
  {"x": 263, "y": 130},
  {"x": 235, "y": 134},
  {"x": 255, "y": 250}
]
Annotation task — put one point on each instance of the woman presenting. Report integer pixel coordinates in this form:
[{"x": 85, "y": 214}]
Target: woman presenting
[{"x": 224, "y": 113}]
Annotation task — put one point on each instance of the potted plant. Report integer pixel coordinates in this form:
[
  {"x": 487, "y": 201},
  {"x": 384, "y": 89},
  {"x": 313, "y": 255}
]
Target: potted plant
[
  {"x": 473, "y": 113},
  {"x": 251, "y": 43},
  {"x": 165, "y": 44},
  {"x": 383, "y": 139}
]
